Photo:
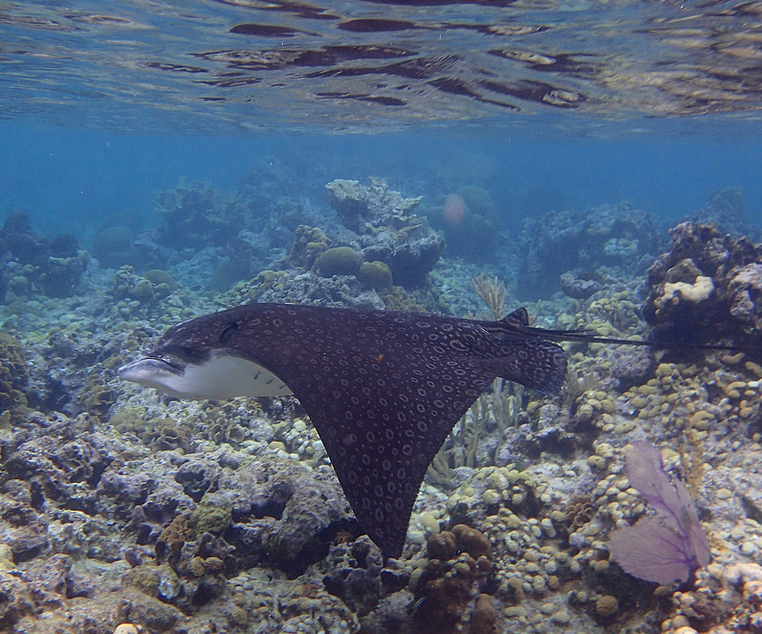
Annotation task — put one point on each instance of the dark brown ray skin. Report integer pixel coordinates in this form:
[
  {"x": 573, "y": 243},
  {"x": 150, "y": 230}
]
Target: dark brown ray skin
[{"x": 382, "y": 388}]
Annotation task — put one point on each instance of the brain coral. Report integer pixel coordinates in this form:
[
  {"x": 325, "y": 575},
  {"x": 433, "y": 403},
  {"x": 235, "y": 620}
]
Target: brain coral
[
  {"x": 375, "y": 275},
  {"x": 338, "y": 261}
]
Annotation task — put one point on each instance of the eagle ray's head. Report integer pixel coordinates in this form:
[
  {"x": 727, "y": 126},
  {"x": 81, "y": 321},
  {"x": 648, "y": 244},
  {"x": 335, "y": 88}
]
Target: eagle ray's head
[{"x": 191, "y": 361}]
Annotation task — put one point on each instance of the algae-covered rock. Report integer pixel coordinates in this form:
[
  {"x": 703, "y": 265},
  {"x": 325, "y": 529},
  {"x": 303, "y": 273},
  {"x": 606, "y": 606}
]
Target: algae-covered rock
[
  {"x": 98, "y": 398},
  {"x": 212, "y": 515},
  {"x": 580, "y": 284},
  {"x": 285, "y": 513},
  {"x": 708, "y": 285},
  {"x": 224, "y": 431},
  {"x": 14, "y": 377},
  {"x": 145, "y": 578},
  {"x": 338, "y": 261},
  {"x": 164, "y": 434}
]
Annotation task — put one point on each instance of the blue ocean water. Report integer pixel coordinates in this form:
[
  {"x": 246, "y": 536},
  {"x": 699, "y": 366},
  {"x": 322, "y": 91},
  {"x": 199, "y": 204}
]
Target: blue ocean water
[{"x": 71, "y": 180}]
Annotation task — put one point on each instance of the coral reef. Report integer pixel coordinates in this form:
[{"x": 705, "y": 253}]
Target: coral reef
[
  {"x": 361, "y": 207},
  {"x": 194, "y": 215},
  {"x": 14, "y": 379},
  {"x": 382, "y": 227},
  {"x": 246, "y": 229},
  {"x": 32, "y": 263},
  {"x": 706, "y": 288},
  {"x": 726, "y": 210},
  {"x": 119, "y": 508},
  {"x": 580, "y": 244}
]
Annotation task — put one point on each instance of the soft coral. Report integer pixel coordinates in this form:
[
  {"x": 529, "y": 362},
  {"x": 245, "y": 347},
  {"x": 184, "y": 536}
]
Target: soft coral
[{"x": 671, "y": 545}]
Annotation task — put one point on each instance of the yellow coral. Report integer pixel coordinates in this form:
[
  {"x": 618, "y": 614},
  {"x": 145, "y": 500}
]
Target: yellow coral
[{"x": 697, "y": 292}]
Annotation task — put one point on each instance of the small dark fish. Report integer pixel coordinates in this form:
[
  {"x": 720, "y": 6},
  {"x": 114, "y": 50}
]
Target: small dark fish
[{"x": 382, "y": 388}]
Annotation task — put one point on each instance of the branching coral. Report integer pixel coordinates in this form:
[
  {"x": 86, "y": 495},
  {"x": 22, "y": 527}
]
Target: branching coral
[
  {"x": 492, "y": 293},
  {"x": 497, "y": 410}
]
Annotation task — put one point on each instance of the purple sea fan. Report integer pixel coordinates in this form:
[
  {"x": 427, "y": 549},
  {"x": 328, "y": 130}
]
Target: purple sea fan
[{"x": 670, "y": 546}]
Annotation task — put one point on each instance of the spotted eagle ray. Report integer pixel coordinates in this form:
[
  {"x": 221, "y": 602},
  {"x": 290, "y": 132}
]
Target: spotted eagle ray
[{"x": 382, "y": 388}]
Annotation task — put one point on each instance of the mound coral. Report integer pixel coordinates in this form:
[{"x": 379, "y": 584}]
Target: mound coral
[
  {"x": 375, "y": 275},
  {"x": 338, "y": 261},
  {"x": 114, "y": 247}
]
